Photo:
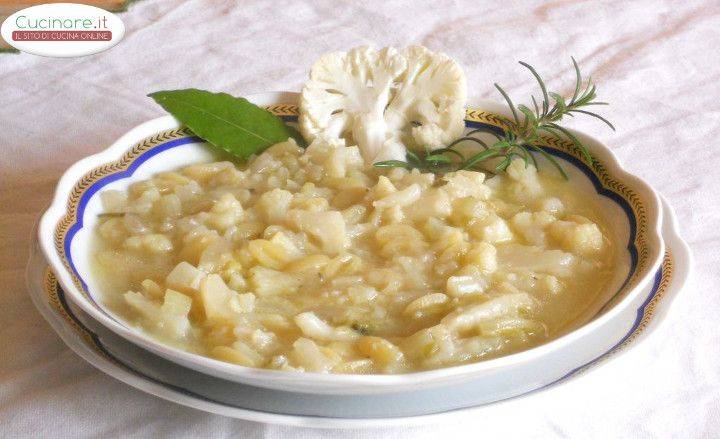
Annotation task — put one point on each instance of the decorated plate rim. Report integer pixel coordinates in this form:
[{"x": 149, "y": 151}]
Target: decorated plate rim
[{"x": 641, "y": 226}]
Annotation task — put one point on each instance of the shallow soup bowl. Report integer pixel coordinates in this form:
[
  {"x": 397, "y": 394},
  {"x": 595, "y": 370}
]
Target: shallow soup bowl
[{"x": 631, "y": 207}]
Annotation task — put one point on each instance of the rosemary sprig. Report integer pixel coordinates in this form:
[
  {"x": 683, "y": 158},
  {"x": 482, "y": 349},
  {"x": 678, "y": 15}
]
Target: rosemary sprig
[{"x": 522, "y": 134}]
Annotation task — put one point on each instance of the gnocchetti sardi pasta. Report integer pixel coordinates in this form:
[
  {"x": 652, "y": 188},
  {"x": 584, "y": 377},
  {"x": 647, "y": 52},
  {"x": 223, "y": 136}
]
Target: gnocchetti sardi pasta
[{"x": 310, "y": 260}]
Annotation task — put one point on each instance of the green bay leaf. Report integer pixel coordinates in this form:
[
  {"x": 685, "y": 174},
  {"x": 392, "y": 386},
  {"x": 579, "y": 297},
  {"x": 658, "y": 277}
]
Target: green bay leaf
[{"x": 228, "y": 122}]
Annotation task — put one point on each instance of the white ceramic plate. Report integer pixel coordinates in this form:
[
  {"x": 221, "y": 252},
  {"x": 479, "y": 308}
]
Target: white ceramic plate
[
  {"x": 153, "y": 374},
  {"x": 631, "y": 206}
]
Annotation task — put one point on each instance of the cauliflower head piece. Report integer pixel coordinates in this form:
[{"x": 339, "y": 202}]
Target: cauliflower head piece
[{"x": 385, "y": 101}]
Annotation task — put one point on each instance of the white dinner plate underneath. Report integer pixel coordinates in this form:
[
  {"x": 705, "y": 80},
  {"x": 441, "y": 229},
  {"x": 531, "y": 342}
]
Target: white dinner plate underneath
[{"x": 150, "y": 373}]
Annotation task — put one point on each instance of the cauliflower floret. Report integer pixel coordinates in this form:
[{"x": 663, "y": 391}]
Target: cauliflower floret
[
  {"x": 462, "y": 184},
  {"x": 327, "y": 228},
  {"x": 226, "y": 211},
  {"x": 334, "y": 157},
  {"x": 170, "y": 318},
  {"x": 380, "y": 100},
  {"x": 185, "y": 277},
  {"x": 433, "y": 93},
  {"x": 273, "y": 205},
  {"x": 580, "y": 237},
  {"x": 526, "y": 185},
  {"x": 531, "y": 226},
  {"x": 492, "y": 229},
  {"x": 435, "y": 204},
  {"x": 220, "y": 303}
]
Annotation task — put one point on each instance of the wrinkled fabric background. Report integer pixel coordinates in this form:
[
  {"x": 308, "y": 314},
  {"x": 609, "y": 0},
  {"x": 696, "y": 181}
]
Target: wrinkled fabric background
[{"x": 657, "y": 62}]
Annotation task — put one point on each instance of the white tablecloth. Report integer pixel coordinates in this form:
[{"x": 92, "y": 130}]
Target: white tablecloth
[{"x": 657, "y": 62}]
